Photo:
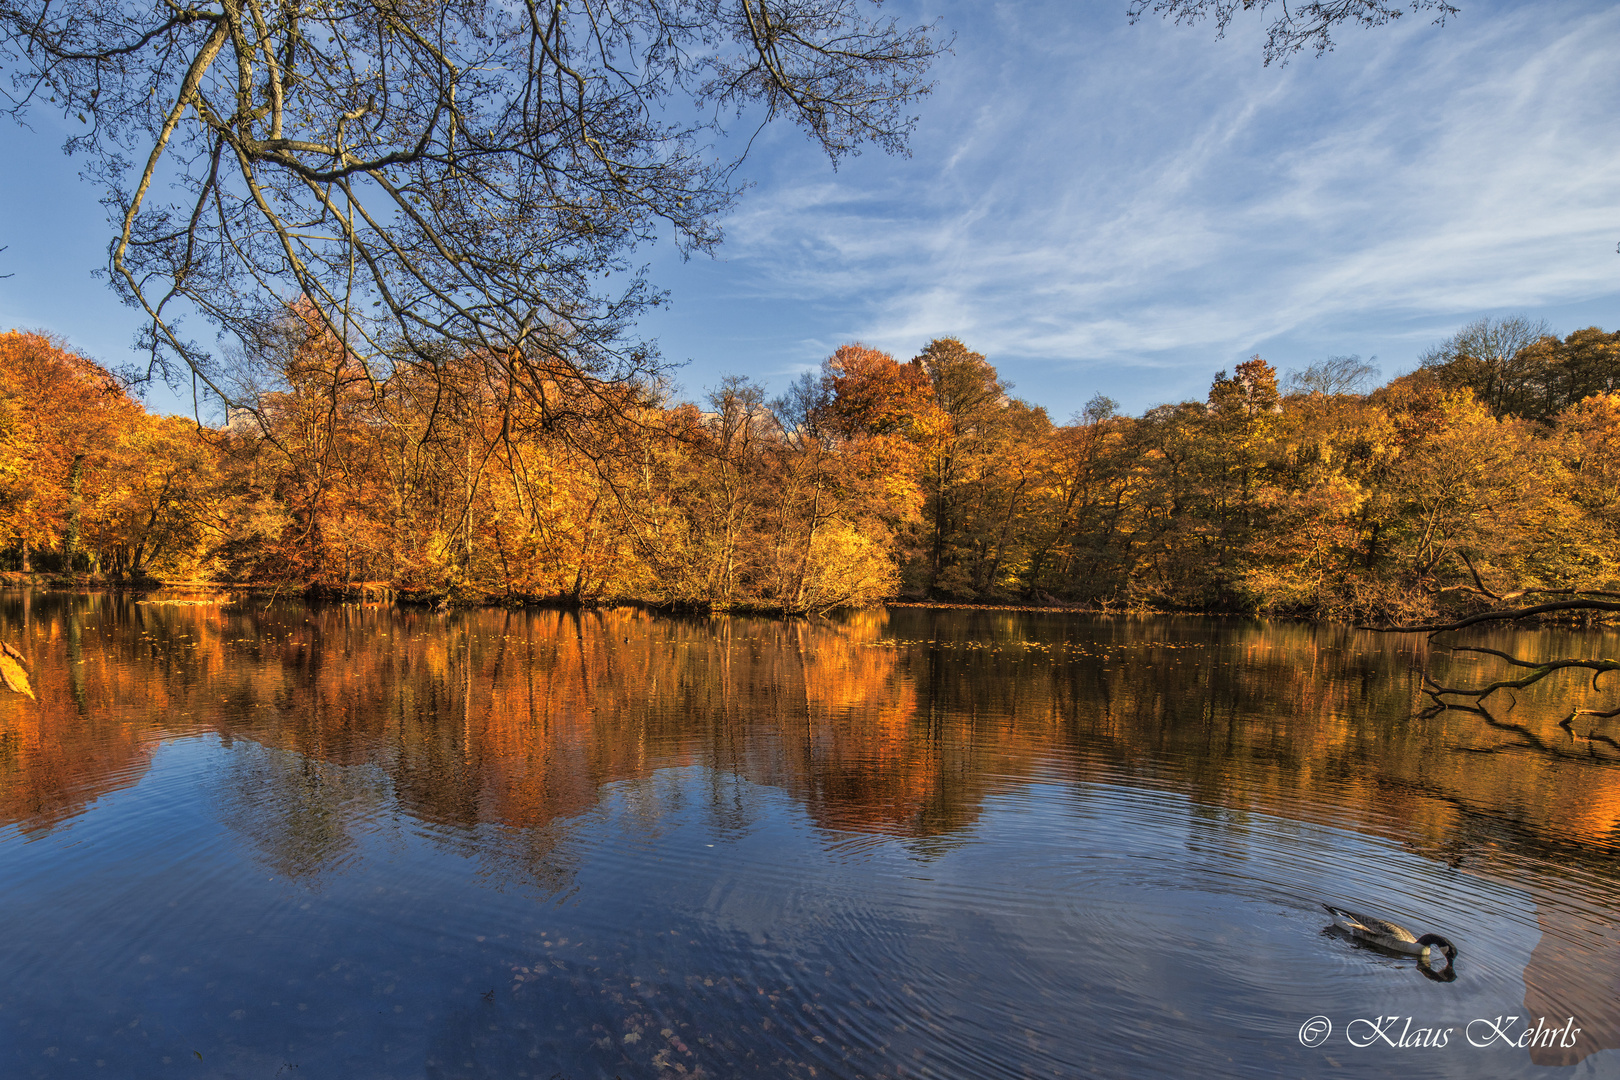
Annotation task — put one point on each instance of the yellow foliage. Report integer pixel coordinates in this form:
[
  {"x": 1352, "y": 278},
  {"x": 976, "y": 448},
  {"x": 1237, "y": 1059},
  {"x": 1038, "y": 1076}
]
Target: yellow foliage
[{"x": 12, "y": 673}]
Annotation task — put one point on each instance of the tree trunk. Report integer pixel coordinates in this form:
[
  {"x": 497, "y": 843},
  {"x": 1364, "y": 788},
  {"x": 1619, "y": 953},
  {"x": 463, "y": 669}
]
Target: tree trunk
[
  {"x": 940, "y": 513},
  {"x": 467, "y": 536},
  {"x": 70, "y": 544},
  {"x": 809, "y": 543}
]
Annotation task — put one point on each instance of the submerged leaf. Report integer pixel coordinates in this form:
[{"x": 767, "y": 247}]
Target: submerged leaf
[{"x": 12, "y": 672}]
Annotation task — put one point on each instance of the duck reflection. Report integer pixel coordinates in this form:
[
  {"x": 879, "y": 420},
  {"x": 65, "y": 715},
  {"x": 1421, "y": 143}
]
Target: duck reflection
[
  {"x": 1436, "y": 969},
  {"x": 1445, "y": 974}
]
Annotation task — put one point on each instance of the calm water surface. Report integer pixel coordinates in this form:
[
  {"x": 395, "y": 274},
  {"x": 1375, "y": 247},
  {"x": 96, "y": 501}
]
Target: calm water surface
[{"x": 251, "y": 841}]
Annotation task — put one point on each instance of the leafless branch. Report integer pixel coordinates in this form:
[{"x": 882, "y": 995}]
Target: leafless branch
[
  {"x": 1586, "y": 601},
  {"x": 441, "y": 174},
  {"x": 1458, "y": 697},
  {"x": 1307, "y": 25}
]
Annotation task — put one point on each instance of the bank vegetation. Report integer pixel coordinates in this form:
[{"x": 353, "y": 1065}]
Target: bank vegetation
[{"x": 1494, "y": 466}]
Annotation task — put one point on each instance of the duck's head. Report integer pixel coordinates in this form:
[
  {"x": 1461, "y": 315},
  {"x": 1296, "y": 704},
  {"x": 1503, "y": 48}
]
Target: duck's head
[
  {"x": 1437, "y": 943},
  {"x": 1441, "y": 973}
]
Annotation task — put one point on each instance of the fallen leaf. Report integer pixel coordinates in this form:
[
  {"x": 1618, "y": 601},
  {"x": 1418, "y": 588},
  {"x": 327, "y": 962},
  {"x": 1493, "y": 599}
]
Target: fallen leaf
[{"x": 12, "y": 672}]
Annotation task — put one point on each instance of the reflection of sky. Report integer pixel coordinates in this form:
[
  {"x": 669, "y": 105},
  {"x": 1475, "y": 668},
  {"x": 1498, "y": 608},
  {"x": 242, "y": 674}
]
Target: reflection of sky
[
  {"x": 1104, "y": 207},
  {"x": 1097, "y": 928}
]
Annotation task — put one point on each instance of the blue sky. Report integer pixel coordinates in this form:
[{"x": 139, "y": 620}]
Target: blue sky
[{"x": 1101, "y": 207}]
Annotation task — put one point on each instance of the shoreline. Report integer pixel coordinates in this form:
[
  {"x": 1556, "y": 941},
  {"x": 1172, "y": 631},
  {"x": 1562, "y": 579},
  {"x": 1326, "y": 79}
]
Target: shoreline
[
  {"x": 447, "y": 600},
  {"x": 387, "y": 592}
]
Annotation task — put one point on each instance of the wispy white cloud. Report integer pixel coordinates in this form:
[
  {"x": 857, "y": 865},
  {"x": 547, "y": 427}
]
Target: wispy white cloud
[
  {"x": 1147, "y": 198},
  {"x": 1101, "y": 206}
]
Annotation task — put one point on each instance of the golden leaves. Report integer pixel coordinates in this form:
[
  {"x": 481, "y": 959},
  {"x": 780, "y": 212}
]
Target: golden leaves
[{"x": 12, "y": 672}]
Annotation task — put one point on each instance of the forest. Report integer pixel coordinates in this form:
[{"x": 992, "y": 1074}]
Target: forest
[{"x": 1492, "y": 467}]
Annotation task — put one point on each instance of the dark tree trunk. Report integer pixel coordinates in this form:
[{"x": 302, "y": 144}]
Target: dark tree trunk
[{"x": 70, "y": 543}]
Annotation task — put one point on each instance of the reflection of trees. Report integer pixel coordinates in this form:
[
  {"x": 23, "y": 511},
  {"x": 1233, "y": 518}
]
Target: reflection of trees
[
  {"x": 501, "y": 729},
  {"x": 48, "y": 775},
  {"x": 901, "y": 725},
  {"x": 1518, "y": 671},
  {"x": 60, "y": 754},
  {"x": 502, "y": 732},
  {"x": 520, "y": 719}
]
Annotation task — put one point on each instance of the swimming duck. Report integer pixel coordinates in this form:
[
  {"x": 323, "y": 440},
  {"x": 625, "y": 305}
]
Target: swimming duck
[{"x": 1388, "y": 935}]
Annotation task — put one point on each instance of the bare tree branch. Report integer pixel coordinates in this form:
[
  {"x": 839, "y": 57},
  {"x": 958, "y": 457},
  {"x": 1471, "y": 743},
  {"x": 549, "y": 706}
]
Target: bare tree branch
[
  {"x": 446, "y": 173},
  {"x": 1506, "y": 615},
  {"x": 1473, "y": 698},
  {"x": 1307, "y": 25}
]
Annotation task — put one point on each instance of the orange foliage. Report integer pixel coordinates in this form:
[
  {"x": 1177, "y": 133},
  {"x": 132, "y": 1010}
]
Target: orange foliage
[
  {"x": 872, "y": 394},
  {"x": 60, "y": 410},
  {"x": 88, "y": 477},
  {"x": 472, "y": 477}
]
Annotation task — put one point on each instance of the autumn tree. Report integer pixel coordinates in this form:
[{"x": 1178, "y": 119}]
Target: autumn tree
[
  {"x": 957, "y": 437},
  {"x": 1080, "y": 539},
  {"x": 1459, "y": 493},
  {"x": 1558, "y": 374},
  {"x": 1242, "y": 414},
  {"x": 1308, "y": 555},
  {"x": 91, "y": 482},
  {"x": 1203, "y": 466},
  {"x": 161, "y": 506},
  {"x": 1488, "y": 357},
  {"x": 998, "y": 486},
  {"x": 449, "y": 176},
  {"x": 309, "y": 447},
  {"x": 840, "y": 498},
  {"x": 727, "y": 495},
  {"x": 777, "y": 503},
  {"x": 870, "y": 393},
  {"x": 1587, "y": 440},
  {"x": 60, "y": 417}
]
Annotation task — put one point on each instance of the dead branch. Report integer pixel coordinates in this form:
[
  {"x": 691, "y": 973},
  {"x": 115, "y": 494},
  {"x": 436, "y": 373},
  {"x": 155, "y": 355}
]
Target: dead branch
[
  {"x": 1586, "y": 601},
  {"x": 1473, "y": 698}
]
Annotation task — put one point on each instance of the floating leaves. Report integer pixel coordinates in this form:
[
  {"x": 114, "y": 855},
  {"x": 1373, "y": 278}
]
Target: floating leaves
[{"x": 13, "y": 673}]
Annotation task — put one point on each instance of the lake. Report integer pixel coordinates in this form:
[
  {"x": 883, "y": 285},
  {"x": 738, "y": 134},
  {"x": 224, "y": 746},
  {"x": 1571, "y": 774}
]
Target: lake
[{"x": 262, "y": 839}]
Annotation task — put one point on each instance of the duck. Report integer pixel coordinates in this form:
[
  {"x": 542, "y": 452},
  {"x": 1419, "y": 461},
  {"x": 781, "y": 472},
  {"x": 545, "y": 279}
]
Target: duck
[{"x": 1388, "y": 935}]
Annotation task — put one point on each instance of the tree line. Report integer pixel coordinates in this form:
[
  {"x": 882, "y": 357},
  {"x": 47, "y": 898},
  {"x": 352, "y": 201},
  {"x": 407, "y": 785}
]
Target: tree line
[{"x": 1494, "y": 466}]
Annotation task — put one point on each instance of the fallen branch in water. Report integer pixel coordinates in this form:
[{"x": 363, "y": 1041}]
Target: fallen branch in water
[
  {"x": 1582, "y": 603},
  {"x": 1474, "y": 698}
]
